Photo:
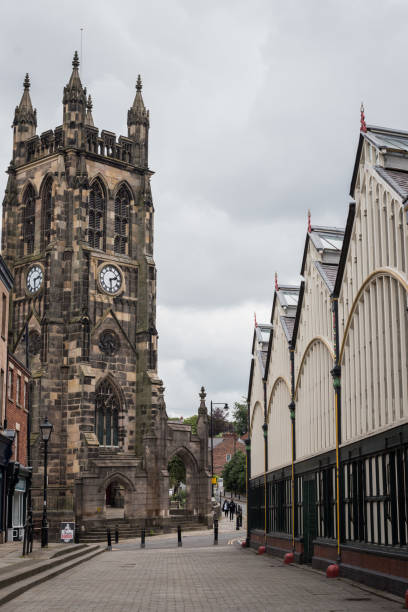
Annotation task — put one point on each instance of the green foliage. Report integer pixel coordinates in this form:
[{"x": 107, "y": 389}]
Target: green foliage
[
  {"x": 193, "y": 422},
  {"x": 177, "y": 472},
  {"x": 240, "y": 414},
  {"x": 220, "y": 423},
  {"x": 233, "y": 473},
  {"x": 180, "y": 496}
]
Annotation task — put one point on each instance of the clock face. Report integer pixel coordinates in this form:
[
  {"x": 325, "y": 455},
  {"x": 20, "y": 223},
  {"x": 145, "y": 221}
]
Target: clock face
[
  {"x": 34, "y": 278},
  {"x": 110, "y": 279}
]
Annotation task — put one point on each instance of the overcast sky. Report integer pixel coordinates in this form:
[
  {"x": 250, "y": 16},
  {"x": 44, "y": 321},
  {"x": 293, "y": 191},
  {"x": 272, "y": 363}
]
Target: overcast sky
[{"x": 254, "y": 111}]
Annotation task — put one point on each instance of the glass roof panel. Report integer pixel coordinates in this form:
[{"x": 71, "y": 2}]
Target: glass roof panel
[
  {"x": 291, "y": 298},
  {"x": 330, "y": 241}
]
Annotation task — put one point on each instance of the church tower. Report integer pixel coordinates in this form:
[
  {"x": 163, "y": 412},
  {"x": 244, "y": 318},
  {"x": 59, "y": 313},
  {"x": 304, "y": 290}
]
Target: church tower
[{"x": 78, "y": 237}]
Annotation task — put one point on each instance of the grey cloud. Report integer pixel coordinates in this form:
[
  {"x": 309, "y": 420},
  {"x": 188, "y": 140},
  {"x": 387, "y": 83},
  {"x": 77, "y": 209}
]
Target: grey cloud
[{"x": 254, "y": 119}]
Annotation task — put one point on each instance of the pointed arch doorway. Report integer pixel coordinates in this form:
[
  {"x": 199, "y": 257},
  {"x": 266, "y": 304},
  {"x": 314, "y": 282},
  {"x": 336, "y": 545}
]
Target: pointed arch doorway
[{"x": 187, "y": 481}]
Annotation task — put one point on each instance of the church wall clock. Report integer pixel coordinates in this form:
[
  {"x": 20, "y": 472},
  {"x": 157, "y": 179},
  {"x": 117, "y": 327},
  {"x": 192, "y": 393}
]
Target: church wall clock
[
  {"x": 34, "y": 279},
  {"x": 110, "y": 279}
]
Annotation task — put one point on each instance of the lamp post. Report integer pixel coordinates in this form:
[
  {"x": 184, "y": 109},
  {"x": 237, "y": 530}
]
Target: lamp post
[
  {"x": 212, "y": 442},
  {"x": 46, "y": 429}
]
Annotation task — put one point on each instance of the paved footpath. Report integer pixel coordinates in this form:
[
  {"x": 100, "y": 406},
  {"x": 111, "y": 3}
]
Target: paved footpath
[{"x": 196, "y": 577}]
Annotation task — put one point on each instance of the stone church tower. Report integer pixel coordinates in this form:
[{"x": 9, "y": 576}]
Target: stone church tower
[{"x": 78, "y": 236}]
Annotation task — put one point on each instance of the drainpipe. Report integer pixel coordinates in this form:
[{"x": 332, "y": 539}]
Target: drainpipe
[
  {"x": 292, "y": 412},
  {"x": 248, "y": 476},
  {"x": 336, "y": 374},
  {"x": 265, "y": 435}
]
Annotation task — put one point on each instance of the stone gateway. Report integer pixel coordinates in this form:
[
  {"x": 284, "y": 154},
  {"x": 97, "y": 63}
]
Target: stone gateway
[{"x": 78, "y": 238}]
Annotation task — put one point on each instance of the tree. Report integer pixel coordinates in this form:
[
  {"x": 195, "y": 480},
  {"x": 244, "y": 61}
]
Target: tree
[
  {"x": 193, "y": 422},
  {"x": 219, "y": 421},
  {"x": 177, "y": 472},
  {"x": 240, "y": 414},
  {"x": 233, "y": 474}
]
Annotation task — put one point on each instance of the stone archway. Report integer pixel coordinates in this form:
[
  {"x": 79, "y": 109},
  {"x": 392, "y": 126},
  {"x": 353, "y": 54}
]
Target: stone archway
[
  {"x": 115, "y": 494},
  {"x": 118, "y": 497},
  {"x": 191, "y": 479}
]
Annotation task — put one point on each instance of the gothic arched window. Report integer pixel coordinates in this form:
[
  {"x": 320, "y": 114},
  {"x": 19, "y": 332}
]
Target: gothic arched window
[
  {"x": 122, "y": 202},
  {"x": 29, "y": 220},
  {"x": 47, "y": 213},
  {"x": 107, "y": 415},
  {"x": 96, "y": 217}
]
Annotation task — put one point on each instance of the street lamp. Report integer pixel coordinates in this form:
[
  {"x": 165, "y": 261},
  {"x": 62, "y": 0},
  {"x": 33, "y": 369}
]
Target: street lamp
[
  {"x": 212, "y": 442},
  {"x": 46, "y": 429}
]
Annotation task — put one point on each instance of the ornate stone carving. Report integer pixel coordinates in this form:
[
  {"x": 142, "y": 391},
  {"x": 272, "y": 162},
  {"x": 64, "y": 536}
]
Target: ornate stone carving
[{"x": 109, "y": 342}]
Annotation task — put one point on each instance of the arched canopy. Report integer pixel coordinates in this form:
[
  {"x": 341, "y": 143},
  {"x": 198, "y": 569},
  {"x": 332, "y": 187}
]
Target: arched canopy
[
  {"x": 186, "y": 456},
  {"x": 385, "y": 271},
  {"x": 316, "y": 340}
]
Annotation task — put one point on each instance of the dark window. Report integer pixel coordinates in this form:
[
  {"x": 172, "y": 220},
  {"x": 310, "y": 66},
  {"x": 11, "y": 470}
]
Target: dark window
[
  {"x": 3, "y": 315},
  {"x": 376, "y": 498},
  {"x": 122, "y": 201},
  {"x": 326, "y": 502},
  {"x": 29, "y": 220},
  {"x": 47, "y": 213},
  {"x": 1, "y": 394},
  {"x": 107, "y": 415},
  {"x": 96, "y": 217},
  {"x": 280, "y": 505},
  {"x": 257, "y": 505}
]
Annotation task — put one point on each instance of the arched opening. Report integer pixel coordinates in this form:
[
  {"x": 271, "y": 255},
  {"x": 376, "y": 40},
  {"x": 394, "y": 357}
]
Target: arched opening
[
  {"x": 28, "y": 220},
  {"x": 183, "y": 484},
  {"x": 107, "y": 408},
  {"x": 177, "y": 481},
  {"x": 115, "y": 500},
  {"x": 96, "y": 210}
]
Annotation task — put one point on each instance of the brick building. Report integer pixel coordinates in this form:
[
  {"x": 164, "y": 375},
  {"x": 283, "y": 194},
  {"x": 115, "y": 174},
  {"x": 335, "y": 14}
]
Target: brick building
[
  {"x": 18, "y": 474},
  {"x": 6, "y": 283},
  {"x": 224, "y": 449},
  {"x": 78, "y": 222}
]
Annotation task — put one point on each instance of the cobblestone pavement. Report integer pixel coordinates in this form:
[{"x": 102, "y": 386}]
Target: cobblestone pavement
[{"x": 221, "y": 578}]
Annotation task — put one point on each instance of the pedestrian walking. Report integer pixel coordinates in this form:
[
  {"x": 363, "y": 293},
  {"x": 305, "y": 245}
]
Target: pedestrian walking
[
  {"x": 225, "y": 507},
  {"x": 232, "y": 509}
]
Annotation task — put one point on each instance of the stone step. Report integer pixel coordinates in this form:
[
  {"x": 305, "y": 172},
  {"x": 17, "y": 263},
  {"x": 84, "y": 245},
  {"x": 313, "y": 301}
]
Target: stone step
[{"x": 16, "y": 582}]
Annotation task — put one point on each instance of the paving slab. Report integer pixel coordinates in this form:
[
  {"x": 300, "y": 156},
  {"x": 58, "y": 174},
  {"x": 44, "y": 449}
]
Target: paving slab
[{"x": 221, "y": 578}]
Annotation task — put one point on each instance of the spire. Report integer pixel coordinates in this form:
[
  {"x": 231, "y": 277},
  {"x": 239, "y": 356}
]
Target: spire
[
  {"x": 276, "y": 282},
  {"x": 88, "y": 116},
  {"x": 74, "y": 88},
  {"x": 255, "y": 322},
  {"x": 309, "y": 221},
  {"x": 363, "y": 126},
  {"x": 203, "y": 408},
  {"x": 139, "y": 83},
  {"x": 74, "y": 101},
  {"x": 24, "y": 112},
  {"x": 138, "y": 105}
]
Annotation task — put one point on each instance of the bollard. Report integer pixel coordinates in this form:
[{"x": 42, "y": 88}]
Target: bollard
[
  {"x": 237, "y": 523},
  {"x": 215, "y": 532},
  {"x": 179, "y": 535},
  {"x": 25, "y": 540},
  {"x": 108, "y": 535},
  {"x": 116, "y": 534},
  {"x": 142, "y": 542}
]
